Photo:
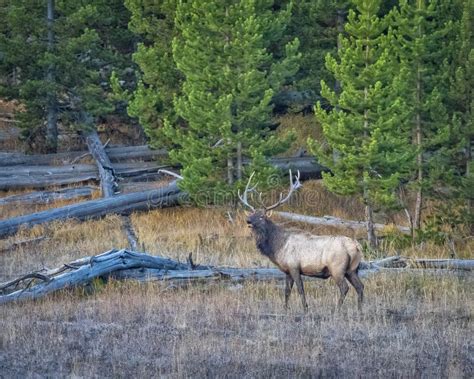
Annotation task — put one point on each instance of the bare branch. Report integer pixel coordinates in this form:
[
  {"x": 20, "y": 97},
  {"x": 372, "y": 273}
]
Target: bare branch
[{"x": 171, "y": 173}]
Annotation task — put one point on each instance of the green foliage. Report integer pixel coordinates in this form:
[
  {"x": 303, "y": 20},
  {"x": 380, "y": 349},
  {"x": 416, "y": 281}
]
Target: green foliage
[
  {"x": 366, "y": 149},
  {"x": 159, "y": 79},
  {"x": 89, "y": 40},
  {"x": 222, "y": 50},
  {"x": 448, "y": 222},
  {"x": 315, "y": 24},
  {"x": 430, "y": 57},
  {"x": 460, "y": 100}
]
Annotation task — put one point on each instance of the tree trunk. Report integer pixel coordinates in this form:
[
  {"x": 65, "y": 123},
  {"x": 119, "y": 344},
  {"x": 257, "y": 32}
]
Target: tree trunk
[
  {"x": 115, "y": 154},
  {"x": 108, "y": 181},
  {"x": 124, "y": 264},
  {"x": 13, "y": 177},
  {"x": 336, "y": 222},
  {"x": 46, "y": 197},
  {"x": 372, "y": 239},
  {"x": 230, "y": 164},
  {"x": 340, "y": 21},
  {"x": 419, "y": 158},
  {"x": 369, "y": 217},
  {"x": 239, "y": 160},
  {"x": 119, "y": 204},
  {"x": 51, "y": 123}
]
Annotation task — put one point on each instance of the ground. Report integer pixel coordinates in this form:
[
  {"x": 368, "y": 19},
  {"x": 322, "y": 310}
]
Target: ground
[{"x": 410, "y": 326}]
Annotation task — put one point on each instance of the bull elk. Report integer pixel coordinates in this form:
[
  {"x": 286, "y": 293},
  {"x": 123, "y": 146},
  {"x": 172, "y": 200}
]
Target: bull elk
[{"x": 298, "y": 253}]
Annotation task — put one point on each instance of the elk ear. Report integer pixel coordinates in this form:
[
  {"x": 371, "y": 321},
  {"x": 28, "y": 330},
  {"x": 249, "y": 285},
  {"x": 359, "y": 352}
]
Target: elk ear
[
  {"x": 269, "y": 213},
  {"x": 246, "y": 213}
]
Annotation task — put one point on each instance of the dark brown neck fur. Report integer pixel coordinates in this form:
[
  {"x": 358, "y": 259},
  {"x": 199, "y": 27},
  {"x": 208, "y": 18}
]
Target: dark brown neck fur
[{"x": 270, "y": 238}]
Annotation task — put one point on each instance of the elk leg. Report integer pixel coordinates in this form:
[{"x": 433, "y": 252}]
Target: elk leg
[
  {"x": 354, "y": 279},
  {"x": 343, "y": 287},
  {"x": 288, "y": 287},
  {"x": 296, "y": 275}
]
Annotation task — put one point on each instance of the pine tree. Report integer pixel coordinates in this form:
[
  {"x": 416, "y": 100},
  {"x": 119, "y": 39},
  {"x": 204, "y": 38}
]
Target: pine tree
[
  {"x": 159, "y": 79},
  {"x": 460, "y": 105},
  {"x": 61, "y": 63},
  {"x": 222, "y": 50},
  {"x": 317, "y": 25},
  {"x": 363, "y": 125},
  {"x": 420, "y": 32}
]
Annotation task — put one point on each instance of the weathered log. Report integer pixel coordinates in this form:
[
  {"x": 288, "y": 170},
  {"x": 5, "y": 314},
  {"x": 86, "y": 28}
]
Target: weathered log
[
  {"x": 446, "y": 264},
  {"x": 124, "y": 264},
  {"x": 121, "y": 169},
  {"x": 38, "y": 181},
  {"x": 75, "y": 275},
  {"x": 336, "y": 222},
  {"x": 108, "y": 181},
  {"x": 35, "y": 177},
  {"x": 388, "y": 262},
  {"x": 45, "y": 197},
  {"x": 119, "y": 204},
  {"x": 116, "y": 154},
  {"x": 398, "y": 262},
  {"x": 44, "y": 176}
]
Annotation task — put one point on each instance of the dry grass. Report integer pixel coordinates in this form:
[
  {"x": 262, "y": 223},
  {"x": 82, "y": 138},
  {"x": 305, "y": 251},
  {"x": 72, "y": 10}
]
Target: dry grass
[
  {"x": 304, "y": 127},
  {"x": 15, "y": 209},
  {"x": 176, "y": 232},
  {"x": 410, "y": 327}
]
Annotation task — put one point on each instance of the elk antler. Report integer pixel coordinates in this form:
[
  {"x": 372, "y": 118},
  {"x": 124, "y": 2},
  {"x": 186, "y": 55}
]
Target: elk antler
[
  {"x": 293, "y": 187},
  {"x": 243, "y": 198}
]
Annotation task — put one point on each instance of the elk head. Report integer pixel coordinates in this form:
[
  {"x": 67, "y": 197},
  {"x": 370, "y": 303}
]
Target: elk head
[{"x": 258, "y": 218}]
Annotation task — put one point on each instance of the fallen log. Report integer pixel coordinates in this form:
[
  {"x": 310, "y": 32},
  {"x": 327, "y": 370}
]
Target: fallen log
[
  {"x": 75, "y": 274},
  {"x": 45, "y": 197},
  {"x": 116, "y": 154},
  {"x": 108, "y": 181},
  {"x": 38, "y": 181},
  {"x": 398, "y": 262},
  {"x": 125, "y": 264},
  {"x": 35, "y": 177},
  {"x": 119, "y": 204},
  {"x": 336, "y": 222},
  {"x": 44, "y": 176},
  {"x": 447, "y": 264}
]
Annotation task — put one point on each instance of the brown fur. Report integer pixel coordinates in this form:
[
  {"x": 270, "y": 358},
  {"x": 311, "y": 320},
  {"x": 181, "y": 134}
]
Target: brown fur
[{"x": 299, "y": 254}]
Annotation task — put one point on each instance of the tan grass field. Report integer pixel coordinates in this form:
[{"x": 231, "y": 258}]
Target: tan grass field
[{"x": 411, "y": 326}]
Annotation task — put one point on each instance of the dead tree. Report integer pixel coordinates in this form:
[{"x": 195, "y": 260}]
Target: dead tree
[
  {"x": 126, "y": 264},
  {"x": 166, "y": 196}
]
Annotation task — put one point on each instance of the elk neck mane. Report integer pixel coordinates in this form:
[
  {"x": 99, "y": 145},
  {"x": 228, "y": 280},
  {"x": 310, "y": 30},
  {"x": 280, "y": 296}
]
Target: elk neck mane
[{"x": 270, "y": 239}]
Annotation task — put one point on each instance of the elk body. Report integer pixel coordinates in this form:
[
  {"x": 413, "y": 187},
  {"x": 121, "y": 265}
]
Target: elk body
[{"x": 298, "y": 254}]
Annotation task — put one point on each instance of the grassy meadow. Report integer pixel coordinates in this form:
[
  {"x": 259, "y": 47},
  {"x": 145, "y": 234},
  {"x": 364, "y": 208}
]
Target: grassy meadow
[{"x": 411, "y": 326}]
